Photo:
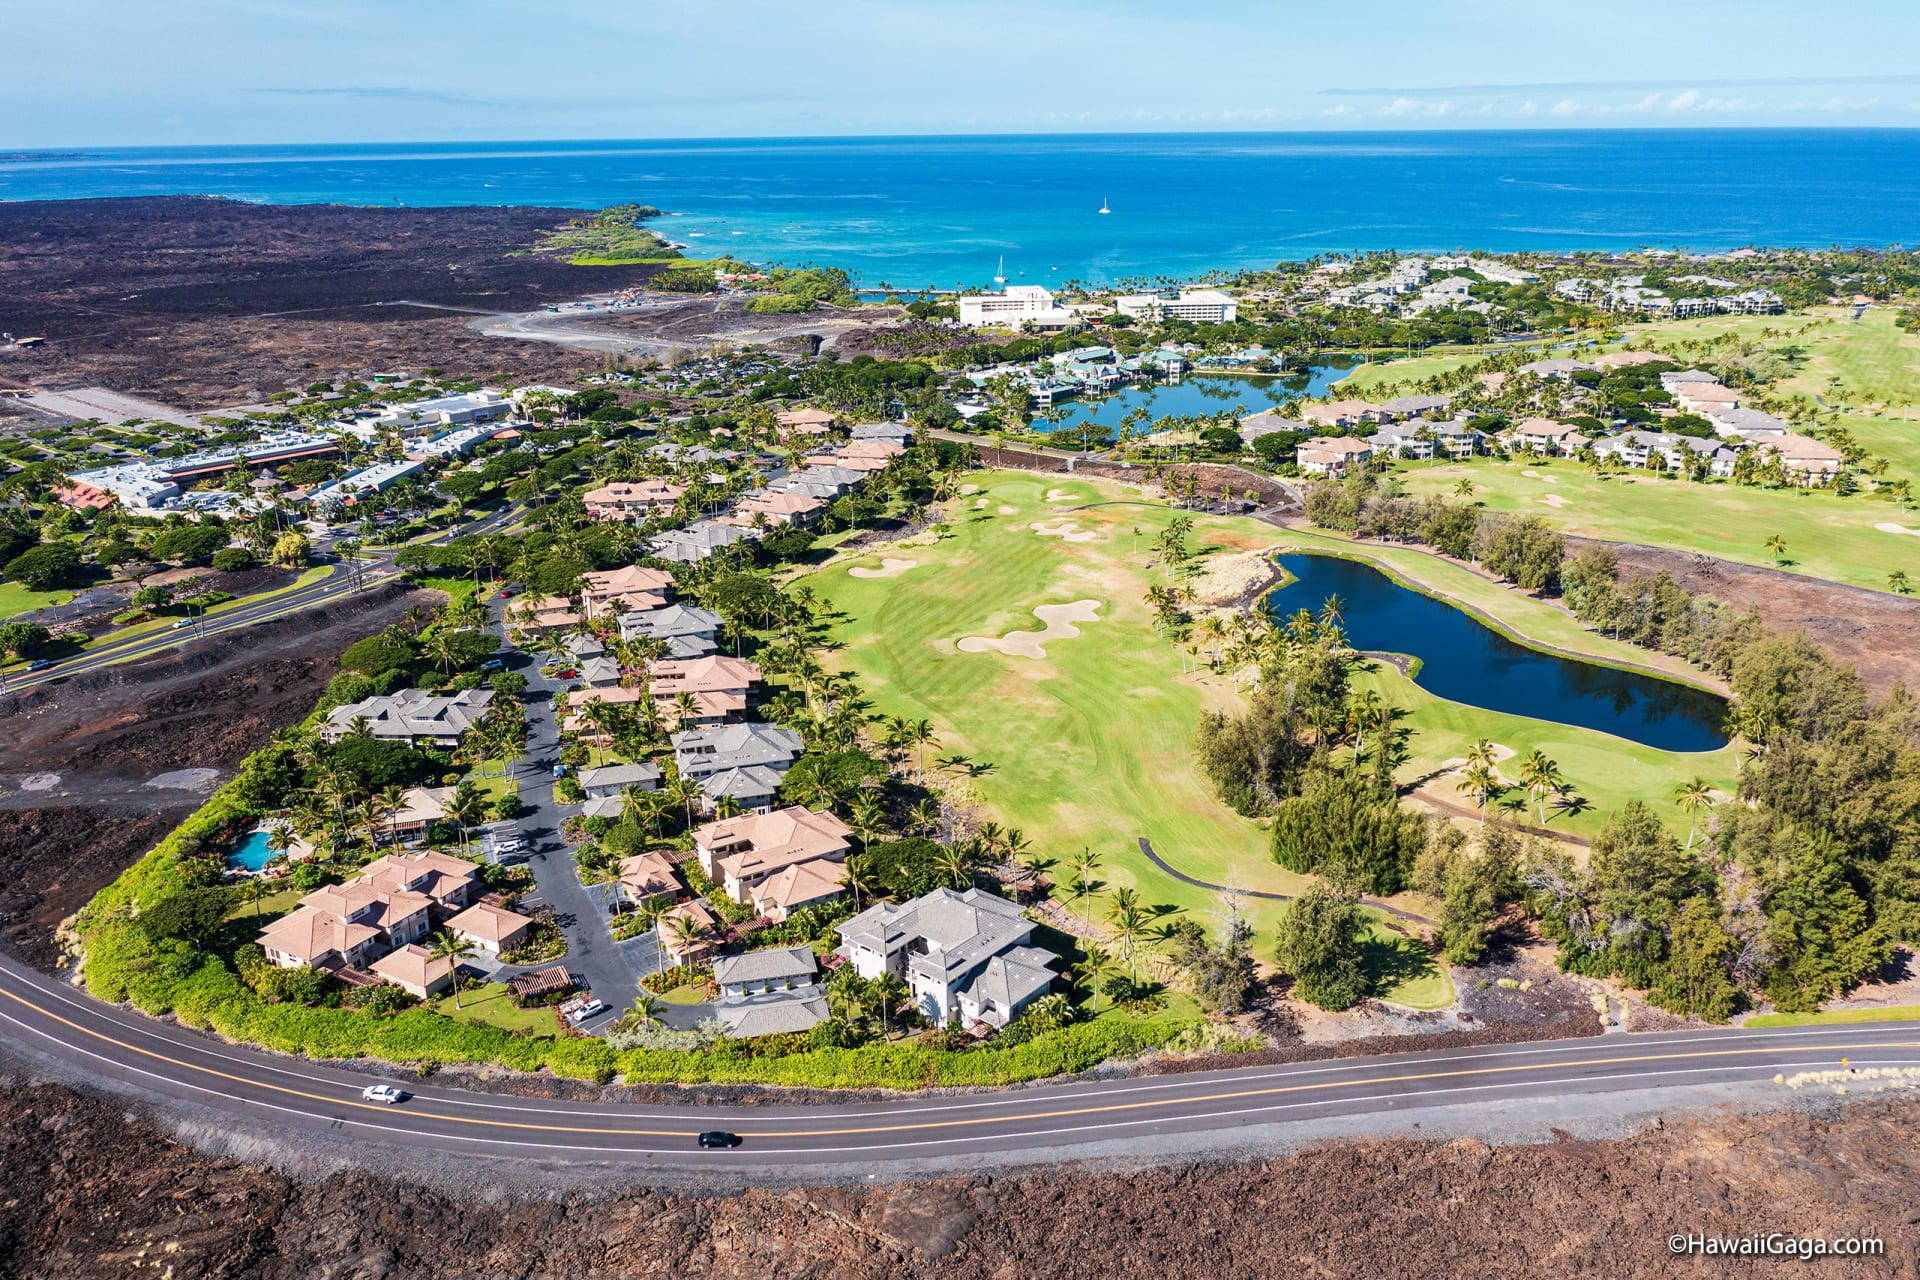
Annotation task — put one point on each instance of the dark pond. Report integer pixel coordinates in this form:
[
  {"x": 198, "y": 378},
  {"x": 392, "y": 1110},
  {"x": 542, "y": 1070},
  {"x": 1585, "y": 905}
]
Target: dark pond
[{"x": 1464, "y": 660}]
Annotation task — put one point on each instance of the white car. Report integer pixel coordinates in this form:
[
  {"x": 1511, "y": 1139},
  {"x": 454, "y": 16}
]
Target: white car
[
  {"x": 591, "y": 1009},
  {"x": 384, "y": 1093}
]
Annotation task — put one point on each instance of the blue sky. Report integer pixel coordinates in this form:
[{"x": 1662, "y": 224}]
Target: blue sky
[{"x": 186, "y": 72}]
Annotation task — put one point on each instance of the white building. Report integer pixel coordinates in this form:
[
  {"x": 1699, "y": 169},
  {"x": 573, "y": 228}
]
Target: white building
[
  {"x": 450, "y": 411},
  {"x": 1020, "y": 305},
  {"x": 1196, "y": 306}
]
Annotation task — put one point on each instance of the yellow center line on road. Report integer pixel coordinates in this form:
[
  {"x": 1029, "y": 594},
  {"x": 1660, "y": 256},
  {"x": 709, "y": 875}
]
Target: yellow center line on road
[{"x": 1048, "y": 1114}]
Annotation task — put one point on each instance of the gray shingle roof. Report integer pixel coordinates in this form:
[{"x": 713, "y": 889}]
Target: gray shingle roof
[{"x": 771, "y": 965}]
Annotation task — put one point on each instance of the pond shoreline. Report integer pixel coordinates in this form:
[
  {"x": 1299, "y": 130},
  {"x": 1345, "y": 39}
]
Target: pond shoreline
[
  {"x": 1703, "y": 682},
  {"x": 1676, "y": 722}
]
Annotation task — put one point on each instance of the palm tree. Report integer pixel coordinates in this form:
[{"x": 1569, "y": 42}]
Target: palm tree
[
  {"x": 645, "y": 1009},
  {"x": 1128, "y": 920},
  {"x": 867, "y": 814},
  {"x": 956, "y": 862},
  {"x": 1776, "y": 547},
  {"x": 1482, "y": 752},
  {"x": 1693, "y": 796},
  {"x": 1084, "y": 865},
  {"x": 451, "y": 947},
  {"x": 1541, "y": 777},
  {"x": 1479, "y": 782},
  {"x": 255, "y": 889},
  {"x": 464, "y": 808},
  {"x": 1464, "y": 489},
  {"x": 1093, "y": 966},
  {"x": 922, "y": 735},
  {"x": 1898, "y": 582},
  {"x": 685, "y": 935}
]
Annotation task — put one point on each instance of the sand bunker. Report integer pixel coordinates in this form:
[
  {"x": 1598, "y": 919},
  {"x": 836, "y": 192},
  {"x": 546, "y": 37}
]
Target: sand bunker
[
  {"x": 1008, "y": 511},
  {"x": 1060, "y": 495},
  {"x": 979, "y": 504},
  {"x": 889, "y": 568},
  {"x": 969, "y": 488},
  {"x": 1888, "y": 526},
  {"x": 1531, "y": 474},
  {"x": 1555, "y": 500},
  {"x": 1065, "y": 530},
  {"x": 1032, "y": 644}
]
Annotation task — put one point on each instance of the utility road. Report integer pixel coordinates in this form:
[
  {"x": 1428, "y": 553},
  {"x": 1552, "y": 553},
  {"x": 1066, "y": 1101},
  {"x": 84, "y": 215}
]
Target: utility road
[{"x": 46, "y": 1018}]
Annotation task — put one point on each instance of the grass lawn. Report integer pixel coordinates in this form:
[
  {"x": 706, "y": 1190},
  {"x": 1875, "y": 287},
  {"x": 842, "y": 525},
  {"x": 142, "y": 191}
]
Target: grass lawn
[
  {"x": 1378, "y": 373},
  {"x": 1603, "y": 771},
  {"x": 1827, "y": 536},
  {"x": 1089, "y": 746},
  {"x": 687, "y": 993},
  {"x": 1403, "y": 970},
  {"x": 1893, "y": 1013},
  {"x": 491, "y": 1005},
  {"x": 274, "y": 904},
  {"x": 16, "y": 599}
]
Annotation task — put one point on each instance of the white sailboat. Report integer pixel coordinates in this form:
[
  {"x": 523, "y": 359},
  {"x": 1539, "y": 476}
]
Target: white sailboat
[
  {"x": 1103, "y": 205},
  {"x": 1000, "y": 276}
]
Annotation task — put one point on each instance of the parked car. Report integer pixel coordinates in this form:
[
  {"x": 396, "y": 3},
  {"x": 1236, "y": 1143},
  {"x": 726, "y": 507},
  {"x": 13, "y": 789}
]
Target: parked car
[
  {"x": 559, "y": 771},
  {"x": 591, "y": 1009},
  {"x": 492, "y": 664},
  {"x": 384, "y": 1093},
  {"x": 719, "y": 1138}
]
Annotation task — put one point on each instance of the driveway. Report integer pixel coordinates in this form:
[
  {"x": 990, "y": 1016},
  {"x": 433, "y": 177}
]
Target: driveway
[{"x": 591, "y": 956}]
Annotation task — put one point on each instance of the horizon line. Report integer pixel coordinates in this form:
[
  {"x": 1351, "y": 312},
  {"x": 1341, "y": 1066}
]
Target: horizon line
[{"x": 8, "y": 151}]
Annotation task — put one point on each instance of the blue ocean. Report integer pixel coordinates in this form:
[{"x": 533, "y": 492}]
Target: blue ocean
[{"x": 948, "y": 211}]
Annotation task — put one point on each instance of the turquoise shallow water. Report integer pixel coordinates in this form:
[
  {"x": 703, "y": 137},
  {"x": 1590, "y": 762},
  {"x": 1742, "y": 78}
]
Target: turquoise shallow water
[
  {"x": 1198, "y": 395},
  {"x": 252, "y": 853},
  {"x": 941, "y": 212}
]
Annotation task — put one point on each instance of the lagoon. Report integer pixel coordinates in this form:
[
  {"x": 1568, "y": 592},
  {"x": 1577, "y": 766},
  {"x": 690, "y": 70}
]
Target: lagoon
[
  {"x": 1466, "y": 661},
  {"x": 1200, "y": 394}
]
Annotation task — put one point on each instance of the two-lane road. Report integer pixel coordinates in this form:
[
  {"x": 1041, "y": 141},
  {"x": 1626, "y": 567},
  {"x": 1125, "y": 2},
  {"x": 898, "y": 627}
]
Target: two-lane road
[
  {"x": 50, "y": 1019},
  {"x": 339, "y": 583}
]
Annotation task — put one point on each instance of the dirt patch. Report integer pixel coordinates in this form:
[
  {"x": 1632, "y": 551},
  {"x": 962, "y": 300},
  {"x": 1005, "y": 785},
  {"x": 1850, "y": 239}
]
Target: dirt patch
[
  {"x": 890, "y": 567},
  {"x": 91, "y": 1192},
  {"x": 1870, "y": 630},
  {"x": 1232, "y": 579},
  {"x": 97, "y": 768},
  {"x": 1060, "y": 620}
]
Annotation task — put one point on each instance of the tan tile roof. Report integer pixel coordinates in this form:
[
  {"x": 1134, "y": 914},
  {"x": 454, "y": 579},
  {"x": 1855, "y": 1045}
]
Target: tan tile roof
[
  {"x": 800, "y": 883},
  {"x": 486, "y": 921},
  {"x": 309, "y": 933},
  {"x": 412, "y": 965}
]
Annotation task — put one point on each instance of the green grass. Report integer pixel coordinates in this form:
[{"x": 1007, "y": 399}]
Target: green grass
[
  {"x": 16, "y": 599},
  {"x": 1603, "y": 771},
  {"x": 273, "y": 904},
  {"x": 688, "y": 993},
  {"x": 1090, "y": 747},
  {"x": 1379, "y": 373},
  {"x": 491, "y": 1005},
  {"x": 1403, "y": 970},
  {"x": 1893, "y": 1013},
  {"x": 1827, "y": 536}
]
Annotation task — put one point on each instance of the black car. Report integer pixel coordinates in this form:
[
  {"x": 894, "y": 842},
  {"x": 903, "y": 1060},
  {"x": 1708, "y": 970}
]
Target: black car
[{"x": 719, "y": 1138}]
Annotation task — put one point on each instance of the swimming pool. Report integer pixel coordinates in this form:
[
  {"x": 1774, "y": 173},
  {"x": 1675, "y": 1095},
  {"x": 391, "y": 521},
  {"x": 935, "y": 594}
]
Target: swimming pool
[{"x": 252, "y": 853}]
